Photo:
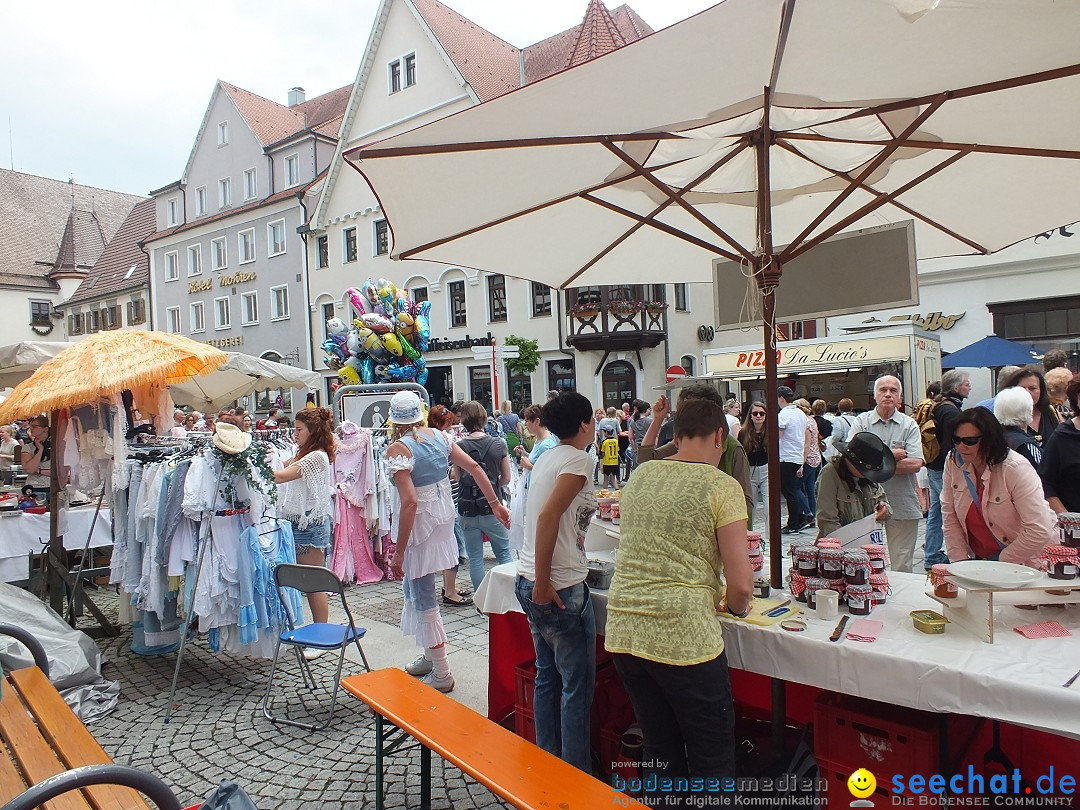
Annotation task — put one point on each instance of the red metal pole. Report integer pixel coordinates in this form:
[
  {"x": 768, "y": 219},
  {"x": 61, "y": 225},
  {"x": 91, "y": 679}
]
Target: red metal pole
[{"x": 495, "y": 381}]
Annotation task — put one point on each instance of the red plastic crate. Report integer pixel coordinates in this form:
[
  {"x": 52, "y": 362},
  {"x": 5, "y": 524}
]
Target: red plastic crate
[
  {"x": 524, "y": 684},
  {"x": 524, "y": 724},
  {"x": 853, "y": 733},
  {"x": 836, "y": 791}
]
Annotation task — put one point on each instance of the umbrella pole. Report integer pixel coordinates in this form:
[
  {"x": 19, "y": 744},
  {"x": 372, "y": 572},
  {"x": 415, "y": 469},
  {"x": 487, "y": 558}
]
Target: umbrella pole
[{"x": 56, "y": 540}]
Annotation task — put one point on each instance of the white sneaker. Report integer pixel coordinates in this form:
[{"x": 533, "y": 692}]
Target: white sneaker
[
  {"x": 442, "y": 684},
  {"x": 311, "y": 653},
  {"x": 421, "y": 666}
]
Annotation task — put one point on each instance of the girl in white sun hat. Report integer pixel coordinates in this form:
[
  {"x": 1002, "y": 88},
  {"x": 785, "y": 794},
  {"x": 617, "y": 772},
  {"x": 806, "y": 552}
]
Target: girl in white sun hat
[{"x": 424, "y": 529}]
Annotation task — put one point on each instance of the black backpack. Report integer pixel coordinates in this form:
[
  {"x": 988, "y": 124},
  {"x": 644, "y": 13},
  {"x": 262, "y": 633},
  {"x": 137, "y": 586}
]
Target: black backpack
[{"x": 471, "y": 499}]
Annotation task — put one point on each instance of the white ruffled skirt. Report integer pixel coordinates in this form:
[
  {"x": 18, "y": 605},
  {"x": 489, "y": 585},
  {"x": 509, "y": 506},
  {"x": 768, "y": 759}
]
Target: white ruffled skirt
[{"x": 432, "y": 548}]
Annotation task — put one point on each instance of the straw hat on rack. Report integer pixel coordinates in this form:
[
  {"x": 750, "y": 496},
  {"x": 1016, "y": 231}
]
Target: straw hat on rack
[{"x": 231, "y": 439}]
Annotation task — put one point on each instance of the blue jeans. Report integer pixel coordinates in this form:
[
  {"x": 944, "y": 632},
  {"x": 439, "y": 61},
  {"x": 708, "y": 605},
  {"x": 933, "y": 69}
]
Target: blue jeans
[
  {"x": 934, "y": 554},
  {"x": 474, "y": 528},
  {"x": 565, "y": 643},
  {"x": 798, "y": 510}
]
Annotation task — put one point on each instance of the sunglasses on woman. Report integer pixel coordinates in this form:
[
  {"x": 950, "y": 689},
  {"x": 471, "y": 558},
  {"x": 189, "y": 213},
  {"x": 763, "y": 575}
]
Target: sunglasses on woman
[
  {"x": 757, "y": 413},
  {"x": 967, "y": 441}
]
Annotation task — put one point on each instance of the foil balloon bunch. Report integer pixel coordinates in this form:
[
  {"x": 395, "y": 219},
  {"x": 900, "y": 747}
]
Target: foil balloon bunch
[{"x": 385, "y": 341}]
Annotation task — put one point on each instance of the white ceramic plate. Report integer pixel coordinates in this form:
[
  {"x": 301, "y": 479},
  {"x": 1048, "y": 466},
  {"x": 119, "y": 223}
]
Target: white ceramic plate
[{"x": 990, "y": 574}]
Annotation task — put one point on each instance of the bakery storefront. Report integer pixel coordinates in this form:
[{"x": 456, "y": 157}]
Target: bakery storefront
[{"x": 835, "y": 368}]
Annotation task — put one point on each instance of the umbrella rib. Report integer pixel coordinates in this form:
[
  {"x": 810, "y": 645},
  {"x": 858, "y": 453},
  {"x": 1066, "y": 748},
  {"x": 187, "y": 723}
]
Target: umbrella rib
[
  {"x": 867, "y": 170},
  {"x": 990, "y": 149},
  {"x": 907, "y": 210},
  {"x": 968, "y": 92},
  {"x": 781, "y": 41},
  {"x": 371, "y": 152},
  {"x": 663, "y": 188},
  {"x": 870, "y": 206},
  {"x": 662, "y": 226},
  {"x": 408, "y": 254}
]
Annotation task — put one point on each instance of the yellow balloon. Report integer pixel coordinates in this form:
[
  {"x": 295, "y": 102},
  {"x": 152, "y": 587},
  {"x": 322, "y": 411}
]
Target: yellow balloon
[{"x": 861, "y": 783}]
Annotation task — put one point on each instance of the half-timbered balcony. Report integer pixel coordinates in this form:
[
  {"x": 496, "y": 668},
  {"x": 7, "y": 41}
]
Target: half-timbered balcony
[{"x": 616, "y": 318}]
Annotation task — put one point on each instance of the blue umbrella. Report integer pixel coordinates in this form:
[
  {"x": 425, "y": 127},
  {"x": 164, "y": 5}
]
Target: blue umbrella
[{"x": 990, "y": 352}]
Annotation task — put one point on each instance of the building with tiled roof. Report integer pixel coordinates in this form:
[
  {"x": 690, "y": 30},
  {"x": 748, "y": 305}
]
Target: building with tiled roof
[
  {"x": 424, "y": 61},
  {"x": 115, "y": 293},
  {"x": 226, "y": 243},
  {"x": 54, "y": 232}
]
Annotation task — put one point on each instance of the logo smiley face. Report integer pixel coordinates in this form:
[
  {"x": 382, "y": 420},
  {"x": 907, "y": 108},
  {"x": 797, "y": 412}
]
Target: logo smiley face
[{"x": 861, "y": 783}]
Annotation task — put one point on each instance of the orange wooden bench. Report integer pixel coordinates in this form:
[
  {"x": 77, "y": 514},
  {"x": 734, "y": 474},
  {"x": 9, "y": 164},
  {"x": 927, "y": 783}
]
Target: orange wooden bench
[
  {"x": 43, "y": 741},
  {"x": 512, "y": 768}
]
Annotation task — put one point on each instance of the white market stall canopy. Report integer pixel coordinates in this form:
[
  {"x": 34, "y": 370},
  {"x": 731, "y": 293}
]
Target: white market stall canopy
[
  {"x": 240, "y": 374},
  {"x": 19, "y": 360}
]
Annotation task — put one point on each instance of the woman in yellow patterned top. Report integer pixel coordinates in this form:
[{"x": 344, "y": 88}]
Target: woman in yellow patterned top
[{"x": 683, "y": 523}]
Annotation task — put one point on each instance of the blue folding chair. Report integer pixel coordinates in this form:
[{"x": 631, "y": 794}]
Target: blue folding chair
[{"x": 318, "y": 635}]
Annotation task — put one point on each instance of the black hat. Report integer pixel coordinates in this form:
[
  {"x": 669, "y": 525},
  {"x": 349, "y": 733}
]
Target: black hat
[{"x": 870, "y": 456}]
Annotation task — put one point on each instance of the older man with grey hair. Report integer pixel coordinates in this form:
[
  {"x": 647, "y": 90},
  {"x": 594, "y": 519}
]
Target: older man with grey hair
[
  {"x": 900, "y": 433},
  {"x": 955, "y": 387}
]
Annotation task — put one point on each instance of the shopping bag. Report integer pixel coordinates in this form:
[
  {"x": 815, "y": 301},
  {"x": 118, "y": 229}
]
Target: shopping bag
[
  {"x": 517, "y": 512},
  {"x": 228, "y": 796}
]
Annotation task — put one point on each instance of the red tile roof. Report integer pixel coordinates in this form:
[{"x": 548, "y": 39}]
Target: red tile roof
[
  {"x": 553, "y": 54},
  {"x": 272, "y": 122},
  {"x": 490, "y": 65},
  {"x": 122, "y": 265},
  {"x": 36, "y": 212},
  {"x": 598, "y": 35}
]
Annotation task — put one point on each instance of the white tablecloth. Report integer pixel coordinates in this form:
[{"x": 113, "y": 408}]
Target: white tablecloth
[
  {"x": 1017, "y": 680},
  {"x": 22, "y": 534}
]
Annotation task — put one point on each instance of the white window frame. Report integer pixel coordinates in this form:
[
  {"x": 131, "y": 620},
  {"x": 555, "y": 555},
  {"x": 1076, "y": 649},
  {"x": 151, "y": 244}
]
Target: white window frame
[
  {"x": 324, "y": 239},
  {"x": 171, "y": 213},
  {"x": 240, "y": 252},
  {"x": 172, "y": 320},
  {"x": 375, "y": 237},
  {"x": 223, "y": 133},
  {"x": 194, "y": 250},
  {"x": 200, "y": 201},
  {"x": 198, "y": 322},
  {"x": 244, "y": 308},
  {"x": 685, "y": 307},
  {"x": 405, "y": 70},
  {"x": 224, "y": 253},
  {"x": 224, "y": 191},
  {"x": 279, "y": 316},
  {"x": 251, "y": 184},
  {"x": 219, "y": 321},
  {"x": 175, "y": 265},
  {"x": 270, "y": 251},
  {"x": 294, "y": 162}
]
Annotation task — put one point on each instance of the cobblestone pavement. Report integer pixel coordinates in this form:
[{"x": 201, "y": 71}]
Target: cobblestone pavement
[{"x": 218, "y": 731}]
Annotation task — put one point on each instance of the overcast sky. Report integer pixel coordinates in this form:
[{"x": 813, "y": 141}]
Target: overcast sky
[{"x": 112, "y": 93}]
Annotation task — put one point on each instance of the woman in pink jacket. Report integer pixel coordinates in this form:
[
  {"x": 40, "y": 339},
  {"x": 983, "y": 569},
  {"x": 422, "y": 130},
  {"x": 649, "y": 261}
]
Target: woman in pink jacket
[{"x": 992, "y": 499}]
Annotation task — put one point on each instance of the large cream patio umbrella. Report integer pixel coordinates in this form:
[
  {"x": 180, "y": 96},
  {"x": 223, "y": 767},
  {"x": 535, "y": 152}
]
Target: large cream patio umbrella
[{"x": 753, "y": 124}]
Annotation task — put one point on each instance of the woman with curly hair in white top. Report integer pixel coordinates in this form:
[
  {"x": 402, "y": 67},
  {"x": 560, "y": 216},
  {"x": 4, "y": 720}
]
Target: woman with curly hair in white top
[{"x": 307, "y": 502}]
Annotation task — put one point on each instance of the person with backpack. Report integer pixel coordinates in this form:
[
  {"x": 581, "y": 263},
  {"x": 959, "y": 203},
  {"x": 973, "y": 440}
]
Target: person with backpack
[
  {"x": 841, "y": 427},
  {"x": 475, "y": 513},
  {"x": 935, "y": 420}
]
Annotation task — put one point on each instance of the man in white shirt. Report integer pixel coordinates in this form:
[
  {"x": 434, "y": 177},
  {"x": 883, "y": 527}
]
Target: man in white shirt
[
  {"x": 792, "y": 423},
  {"x": 550, "y": 585},
  {"x": 901, "y": 433}
]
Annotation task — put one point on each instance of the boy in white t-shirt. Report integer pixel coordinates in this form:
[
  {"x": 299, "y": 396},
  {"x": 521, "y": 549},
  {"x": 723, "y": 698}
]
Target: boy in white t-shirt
[{"x": 551, "y": 582}]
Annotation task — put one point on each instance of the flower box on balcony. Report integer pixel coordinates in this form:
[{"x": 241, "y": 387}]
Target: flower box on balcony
[{"x": 624, "y": 308}]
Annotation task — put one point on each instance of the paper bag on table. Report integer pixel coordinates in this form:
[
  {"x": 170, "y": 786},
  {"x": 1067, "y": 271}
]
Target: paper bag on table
[{"x": 864, "y": 532}]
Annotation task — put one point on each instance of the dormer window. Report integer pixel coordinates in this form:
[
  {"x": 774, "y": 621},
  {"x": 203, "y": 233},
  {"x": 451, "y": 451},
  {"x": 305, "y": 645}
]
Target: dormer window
[
  {"x": 402, "y": 73},
  {"x": 223, "y": 133}
]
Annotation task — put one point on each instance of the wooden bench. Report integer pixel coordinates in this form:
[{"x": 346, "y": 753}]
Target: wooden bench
[
  {"x": 512, "y": 768},
  {"x": 46, "y": 751}
]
